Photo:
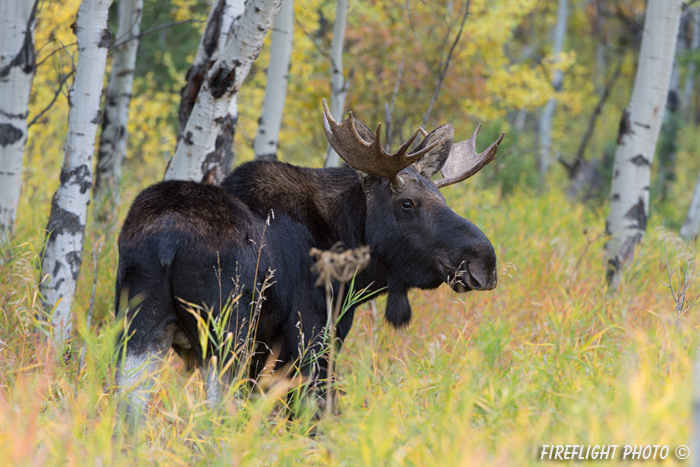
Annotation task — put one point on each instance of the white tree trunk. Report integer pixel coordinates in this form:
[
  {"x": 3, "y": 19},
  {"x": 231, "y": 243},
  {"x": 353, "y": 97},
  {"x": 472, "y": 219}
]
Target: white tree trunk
[
  {"x": 221, "y": 83},
  {"x": 66, "y": 226},
  {"x": 690, "y": 72},
  {"x": 338, "y": 83},
  {"x": 267, "y": 138},
  {"x": 545, "y": 127},
  {"x": 670, "y": 126},
  {"x": 114, "y": 136},
  {"x": 218, "y": 163},
  {"x": 689, "y": 229},
  {"x": 17, "y": 66},
  {"x": 639, "y": 131},
  {"x": 223, "y": 19}
]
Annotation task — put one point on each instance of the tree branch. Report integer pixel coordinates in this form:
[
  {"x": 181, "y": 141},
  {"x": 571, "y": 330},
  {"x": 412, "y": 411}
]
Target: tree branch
[
  {"x": 55, "y": 97},
  {"x": 121, "y": 42},
  {"x": 597, "y": 111},
  {"x": 447, "y": 64}
]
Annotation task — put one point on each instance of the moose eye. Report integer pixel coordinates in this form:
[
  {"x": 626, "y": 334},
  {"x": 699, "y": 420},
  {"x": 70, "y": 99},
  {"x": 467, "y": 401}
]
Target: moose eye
[{"x": 407, "y": 204}]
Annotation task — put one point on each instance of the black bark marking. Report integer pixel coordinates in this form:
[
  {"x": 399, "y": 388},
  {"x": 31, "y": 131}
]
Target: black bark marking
[
  {"x": 221, "y": 81},
  {"x": 615, "y": 197},
  {"x": 213, "y": 30},
  {"x": 188, "y": 94},
  {"x": 187, "y": 138},
  {"x": 673, "y": 102},
  {"x": 62, "y": 221},
  {"x": 26, "y": 57},
  {"x": 105, "y": 39},
  {"x": 97, "y": 119},
  {"x": 640, "y": 160},
  {"x": 79, "y": 176},
  {"x": 22, "y": 116},
  {"x": 625, "y": 126},
  {"x": 638, "y": 213},
  {"x": 9, "y": 134},
  {"x": 74, "y": 259},
  {"x": 643, "y": 125}
]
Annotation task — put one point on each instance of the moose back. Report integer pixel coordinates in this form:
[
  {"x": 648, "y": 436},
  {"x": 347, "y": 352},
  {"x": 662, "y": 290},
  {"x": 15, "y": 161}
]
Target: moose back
[{"x": 186, "y": 249}]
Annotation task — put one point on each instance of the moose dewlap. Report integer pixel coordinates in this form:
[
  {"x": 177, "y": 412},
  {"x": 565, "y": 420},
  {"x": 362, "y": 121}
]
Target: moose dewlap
[{"x": 187, "y": 249}]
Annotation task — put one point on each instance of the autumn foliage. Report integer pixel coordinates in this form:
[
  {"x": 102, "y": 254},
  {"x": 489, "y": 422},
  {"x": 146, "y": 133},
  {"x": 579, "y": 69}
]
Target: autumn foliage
[{"x": 477, "y": 379}]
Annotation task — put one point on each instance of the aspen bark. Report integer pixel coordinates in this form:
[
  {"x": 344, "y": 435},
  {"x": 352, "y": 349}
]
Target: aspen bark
[
  {"x": 66, "y": 226},
  {"x": 113, "y": 139},
  {"x": 17, "y": 67},
  {"x": 267, "y": 138},
  {"x": 689, "y": 84},
  {"x": 637, "y": 136},
  {"x": 197, "y": 143},
  {"x": 545, "y": 127},
  {"x": 223, "y": 18},
  {"x": 338, "y": 83},
  {"x": 689, "y": 229},
  {"x": 668, "y": 139}
]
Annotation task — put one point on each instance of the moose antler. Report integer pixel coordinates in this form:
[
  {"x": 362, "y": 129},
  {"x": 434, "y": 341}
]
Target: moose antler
[
  {"x": 464, "y": 161},
  {"x": 368, "y": 156}
]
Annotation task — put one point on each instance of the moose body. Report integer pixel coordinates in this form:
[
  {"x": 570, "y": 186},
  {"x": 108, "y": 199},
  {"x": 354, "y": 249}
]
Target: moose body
[{"x": 186, "y": 243}]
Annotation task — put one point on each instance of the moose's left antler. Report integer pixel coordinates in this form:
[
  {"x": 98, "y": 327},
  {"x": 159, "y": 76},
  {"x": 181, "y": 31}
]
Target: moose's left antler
[{"x": 464, "y": 161}]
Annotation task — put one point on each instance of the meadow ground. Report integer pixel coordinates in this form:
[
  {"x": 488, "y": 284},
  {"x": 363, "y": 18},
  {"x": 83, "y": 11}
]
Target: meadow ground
[{"x": 476, "y": 379}]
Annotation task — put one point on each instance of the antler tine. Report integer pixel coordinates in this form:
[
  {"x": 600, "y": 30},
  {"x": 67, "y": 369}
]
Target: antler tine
[
  {"x": 368, "y": 156},
  {"x": 464, "y": 161}
]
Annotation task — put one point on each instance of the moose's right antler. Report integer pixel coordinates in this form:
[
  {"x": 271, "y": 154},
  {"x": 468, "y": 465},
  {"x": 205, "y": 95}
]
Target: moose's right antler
[
  {"x": 368, "y": 156},
  {"x": 464, "y": 161}
]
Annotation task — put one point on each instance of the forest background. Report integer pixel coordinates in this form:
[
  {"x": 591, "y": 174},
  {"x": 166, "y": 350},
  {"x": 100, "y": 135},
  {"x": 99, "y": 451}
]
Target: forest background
[{"x": 548, "y": 357}]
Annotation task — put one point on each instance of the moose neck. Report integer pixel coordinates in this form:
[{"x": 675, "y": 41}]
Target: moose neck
[
  {"x": 333, "y": 206},
  {"x": 330, "y": 202}
]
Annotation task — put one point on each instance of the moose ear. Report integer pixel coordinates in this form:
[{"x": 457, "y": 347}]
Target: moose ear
[{"x": 429, "y": 164}]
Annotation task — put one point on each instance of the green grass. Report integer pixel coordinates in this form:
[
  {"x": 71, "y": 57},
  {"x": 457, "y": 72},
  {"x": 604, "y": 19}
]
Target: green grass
[{"x": 476, "y": 379}]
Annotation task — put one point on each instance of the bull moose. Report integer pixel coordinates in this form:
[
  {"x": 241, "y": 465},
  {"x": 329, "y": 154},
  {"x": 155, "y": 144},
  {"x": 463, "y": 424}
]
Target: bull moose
[{"x": 185, "y": 243}]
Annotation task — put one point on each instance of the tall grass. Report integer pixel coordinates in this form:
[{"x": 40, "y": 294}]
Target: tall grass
[{"x": 476, "y": 379}]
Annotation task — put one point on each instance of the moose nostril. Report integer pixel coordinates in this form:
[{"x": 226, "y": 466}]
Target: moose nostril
[{"x": 482, "y": 277}]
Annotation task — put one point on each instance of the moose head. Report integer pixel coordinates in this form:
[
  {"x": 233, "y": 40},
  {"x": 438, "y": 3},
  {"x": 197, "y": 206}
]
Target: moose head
[{"x": 410, "y": 228}]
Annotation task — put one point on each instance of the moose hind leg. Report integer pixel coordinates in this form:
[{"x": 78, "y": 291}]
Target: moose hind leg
[
  {"x": 133, "y": 376},
  {"x": 213, "y": 382},
  {"x": 137, "y": 363}
]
